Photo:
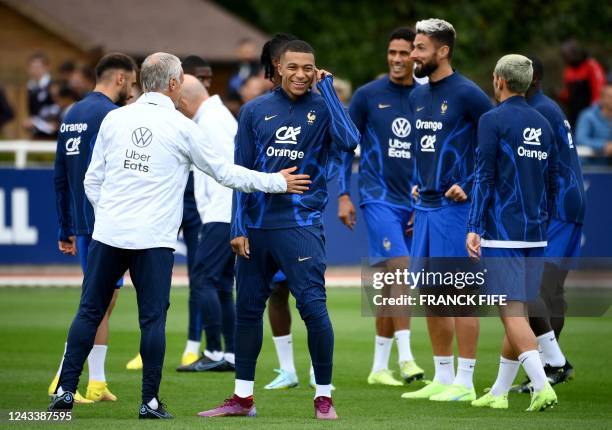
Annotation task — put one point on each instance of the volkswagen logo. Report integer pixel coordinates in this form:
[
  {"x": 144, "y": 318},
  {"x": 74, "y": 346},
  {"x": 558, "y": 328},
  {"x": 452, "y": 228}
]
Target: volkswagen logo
[
  {"x": 142, "y": 137},
  {"x": 401, "y": 127}
]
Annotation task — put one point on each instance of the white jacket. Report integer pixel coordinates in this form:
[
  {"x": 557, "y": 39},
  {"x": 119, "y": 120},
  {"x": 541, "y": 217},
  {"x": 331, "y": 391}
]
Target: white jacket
[
  {"x": 139, "y": 168},
  {"x": 214, "y": 201}
]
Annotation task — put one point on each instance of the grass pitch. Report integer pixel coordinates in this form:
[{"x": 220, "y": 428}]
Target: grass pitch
[{"x": 34, "y": 323}]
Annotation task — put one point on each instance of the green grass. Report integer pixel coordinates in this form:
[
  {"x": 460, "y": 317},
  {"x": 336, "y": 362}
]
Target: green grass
[{"x": 34, "y": 322}]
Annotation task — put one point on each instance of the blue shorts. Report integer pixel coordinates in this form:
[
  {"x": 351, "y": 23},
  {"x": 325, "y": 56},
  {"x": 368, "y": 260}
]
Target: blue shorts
[
  {"x": 386, "y": 226},
  {"x": 299, "y": 252},
  {"x": 563, "y": 239},
  {"x": 513, "y": 272},
  {"x": 440, "y": 232},
  {"x": 83, "y": 243}
]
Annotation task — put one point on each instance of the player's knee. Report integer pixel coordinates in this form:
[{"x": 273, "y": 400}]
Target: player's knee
[{"x": 315, "y": 316}]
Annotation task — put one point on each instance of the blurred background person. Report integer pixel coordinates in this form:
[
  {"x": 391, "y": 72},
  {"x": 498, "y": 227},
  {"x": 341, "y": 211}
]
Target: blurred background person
[
  {"x": 254, "y": 87},
  {"x": 65, "y": 70},
  {"x": 200, "y": 68},
  {"x": 64, "y": 97},
  {"x": 344, "y": 89},
  {"x": 41, "y": 108},
  {"x": 82, "y": 80},
  {"x": 594, "y": 127},
  {"x": 583, "y": 79}
]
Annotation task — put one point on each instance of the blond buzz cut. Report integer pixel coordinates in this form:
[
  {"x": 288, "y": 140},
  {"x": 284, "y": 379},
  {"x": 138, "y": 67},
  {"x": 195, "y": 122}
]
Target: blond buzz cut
[{"x": 516, "y": 70}]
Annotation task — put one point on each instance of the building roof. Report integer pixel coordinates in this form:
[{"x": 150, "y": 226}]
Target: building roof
[{"x": 140, "y": 27}]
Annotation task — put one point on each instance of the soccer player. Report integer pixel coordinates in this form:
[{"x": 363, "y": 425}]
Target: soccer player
[
  {"x": 135, "y": 183},
  {"x": 514, "y": 193},
  {"x": 381, "y": 113},
  {"x": 213, "y": 266},
  {"x": 290, "y": 125},
  {"x": 115, "y": 76},
  {"x": 547, "y": 316},
  {"x": 446, "y": 113}
]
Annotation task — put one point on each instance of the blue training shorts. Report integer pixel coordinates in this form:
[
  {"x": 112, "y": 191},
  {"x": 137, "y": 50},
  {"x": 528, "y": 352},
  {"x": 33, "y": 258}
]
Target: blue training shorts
[
  {"x": 513, "y": 272},
  {"x": 440, "y": 232},
  {"x": 563, "y": 239},
  {"x": 386, "y": 227}
]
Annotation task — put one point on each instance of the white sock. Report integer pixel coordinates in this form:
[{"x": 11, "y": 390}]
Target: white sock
[
  {"x": 59, "y": 370},
  {"x": 243, "y": 388},
  {"x": 465, "y": 372},
  {"x": 214, "y": 355},
  {"x": 193, "y": 347},
  {"x": 382, "y": 351},
  {"x": 95, "y": 361},
  {"x": 153, "y": 404},
  {"x": 229, "y": 357},
  {"x": 311, "y": 371},
  {"x": 505, "y": 376},
  {"x": 444, "y": 369},
  {"x": 323, "y": 390},
  {"x": 551, "y": 352},
  {"x": 533, "y": 368},
  {"x": 284, "y": 352},
  {"x": 402, "y": 338}
]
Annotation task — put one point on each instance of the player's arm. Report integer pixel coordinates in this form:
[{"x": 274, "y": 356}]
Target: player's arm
[
  {"x": 486, "y": 154},
  {"x": 66, "y": 237},
  {"x": 346, "y": 208},
  {"x": 94, "y": 177},
  {"x": 206, "y": 158},
  {"x": 343, "y": 131},
  {"x": 552, "y": 184},
  {"x": 477, "y": 103}
]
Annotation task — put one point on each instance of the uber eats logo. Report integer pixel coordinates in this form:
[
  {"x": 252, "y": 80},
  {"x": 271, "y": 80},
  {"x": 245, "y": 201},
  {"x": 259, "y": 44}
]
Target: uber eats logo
[
  {"x": 398, "y": 147},
  {"x": 141, "y": 137}
]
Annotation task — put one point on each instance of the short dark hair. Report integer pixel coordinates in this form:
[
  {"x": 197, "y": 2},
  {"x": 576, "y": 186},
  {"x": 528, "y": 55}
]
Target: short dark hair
[
  {"x": 115, "y": 60},
  {"x": 271, "y": 50},
  {"x": 192, "y": 62},
  {"x": 296, "y": 46},
  {"x": 442, "y": 32},
  {"x": 538, "y": 67},
  {"x": 404, "y": 33}
]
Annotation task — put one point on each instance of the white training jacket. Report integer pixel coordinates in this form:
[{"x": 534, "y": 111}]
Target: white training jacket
[
  {"x": 139, "y": 169},
  {"x": 214, "y": 201}
]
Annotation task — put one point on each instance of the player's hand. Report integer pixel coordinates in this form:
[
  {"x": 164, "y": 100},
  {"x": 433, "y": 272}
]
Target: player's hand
[
  {"x": 240, "y": 246},
  {"x": 472, "y": 243},
  {"x": 410, "y": 225},
  {"x": 320, "y": 74},
  {"x": 68, "y": 247},
  {"x": 456, "y": 194},
  {"x": 296, "y": 184},
  {"x": 415, "y": 192},
  {"x": 346, "y": 211}
]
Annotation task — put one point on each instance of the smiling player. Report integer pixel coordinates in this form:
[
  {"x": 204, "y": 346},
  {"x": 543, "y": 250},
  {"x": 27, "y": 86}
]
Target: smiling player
[
  {"x": 288, "y": 127},
  {"x": 381, "y": 113}
]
